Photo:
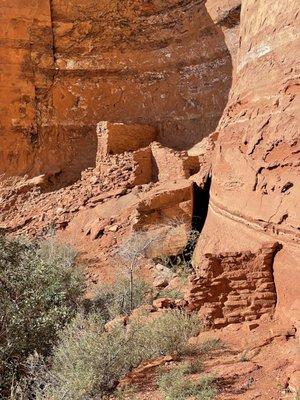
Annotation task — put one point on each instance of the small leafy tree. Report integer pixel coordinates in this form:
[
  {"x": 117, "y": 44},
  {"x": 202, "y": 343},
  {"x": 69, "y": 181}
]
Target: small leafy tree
[
  {"x": 142, "y": 244},
  {"x": 40, "y": 287}
]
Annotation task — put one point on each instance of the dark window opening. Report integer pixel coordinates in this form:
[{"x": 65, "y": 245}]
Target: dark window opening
[{"x": 200, "y": 205}]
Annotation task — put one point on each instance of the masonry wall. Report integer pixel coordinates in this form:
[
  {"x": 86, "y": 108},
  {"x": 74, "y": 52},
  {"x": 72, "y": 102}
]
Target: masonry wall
[{"x": 235, "y": 287}]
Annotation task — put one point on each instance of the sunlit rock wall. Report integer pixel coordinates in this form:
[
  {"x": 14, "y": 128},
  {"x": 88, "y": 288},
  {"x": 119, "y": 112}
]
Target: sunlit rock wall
[
  {"x": 255, "y": 180},
  {"x": 68, "y": 65}
]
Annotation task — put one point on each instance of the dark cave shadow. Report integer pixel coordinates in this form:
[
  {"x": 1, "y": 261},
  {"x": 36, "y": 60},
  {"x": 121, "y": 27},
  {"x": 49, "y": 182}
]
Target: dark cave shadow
[{"x": 200, "y": 204}]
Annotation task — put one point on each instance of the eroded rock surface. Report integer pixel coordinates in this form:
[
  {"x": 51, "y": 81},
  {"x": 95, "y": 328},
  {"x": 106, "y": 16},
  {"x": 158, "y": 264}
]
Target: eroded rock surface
[
  {"x": 235, "y": 287},
  {"x": 160, "y": 75},
  {"x": 67, "y": 66},
  {"x": 255, "y": 169}
]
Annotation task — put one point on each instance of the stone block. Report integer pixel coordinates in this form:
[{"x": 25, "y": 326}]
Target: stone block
[{"x": 143, "y": 166}]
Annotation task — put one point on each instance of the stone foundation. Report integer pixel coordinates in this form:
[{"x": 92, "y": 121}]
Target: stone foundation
[
  {"x": 143, "y": 172},
  {"x": 235, "y": 287}
]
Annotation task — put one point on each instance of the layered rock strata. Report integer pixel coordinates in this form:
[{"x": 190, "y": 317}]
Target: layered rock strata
[{"x": 255, "y": 168}]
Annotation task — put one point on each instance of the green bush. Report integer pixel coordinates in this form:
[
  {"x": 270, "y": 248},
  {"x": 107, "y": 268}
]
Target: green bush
[
  {"x": 112, "y": 300},
  {"x": 125, "y": 393},
  {"x": 168, "y": 333},
  {"x": 89, "y": 361},
  {"x": 174, "y": 385},
  {"x": 195, "y": 366},
  {"x": 39, "y": 291},
  {"x": 210, "y": 345},
  {"x": 37, "y": 376},
  {"x": 192, "y": 349},
  {"x": 171, "y": 294}
]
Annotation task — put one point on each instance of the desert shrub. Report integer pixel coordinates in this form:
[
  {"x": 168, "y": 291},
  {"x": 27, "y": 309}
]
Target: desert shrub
[
  {"x": 244, "y": 357},
  {"x": 171, "y": 293},
  {"x": 168, "y": 333},
  {"x": 112, "y": 300},
  {"x": 175, "y": 385},
  {"x": 210, "y": 345},
  {"x": 192, "y": 349},
  {"x": 39, "y": 291},
  {"x": 195, "y": 366},
  {"x": 125, "y": 393},
  {"x": 89, "y": 361},
  {"x": 37, "y": 376}
]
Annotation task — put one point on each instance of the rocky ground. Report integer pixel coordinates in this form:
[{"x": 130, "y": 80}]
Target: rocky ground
[
  {"x": 254, "y": 361},
  {"x": 99, "y": 212}
]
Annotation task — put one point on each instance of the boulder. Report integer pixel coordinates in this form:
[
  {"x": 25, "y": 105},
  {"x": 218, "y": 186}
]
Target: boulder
[
  {"x": 164, "y": 302},
  {"x": 294, "y": 382},
  {"x": 160, "y": 283}
]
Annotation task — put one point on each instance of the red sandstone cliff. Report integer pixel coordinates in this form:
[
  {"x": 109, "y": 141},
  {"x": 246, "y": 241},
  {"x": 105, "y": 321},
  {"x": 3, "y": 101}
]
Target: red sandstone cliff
[
  {"x": 255, "y": 169},
  {"x": 169, "y": 64},
  {"x": 66, "y": 66},
  {"x": 188, "y": 69}
]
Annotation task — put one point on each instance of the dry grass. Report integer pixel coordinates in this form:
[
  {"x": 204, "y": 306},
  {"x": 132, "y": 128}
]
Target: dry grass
[{"x": 89, "y": 361}]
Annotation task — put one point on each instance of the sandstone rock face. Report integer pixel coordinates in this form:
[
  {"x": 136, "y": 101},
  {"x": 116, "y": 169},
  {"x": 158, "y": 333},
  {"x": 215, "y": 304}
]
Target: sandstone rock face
[
  {"x": 66, "y": 66},
  {"x": 150, "y": 62},
  {"x": 26, "y": 75},
  {"x": 255, "y": 175},
  {"x": 167, "y": 65}
]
